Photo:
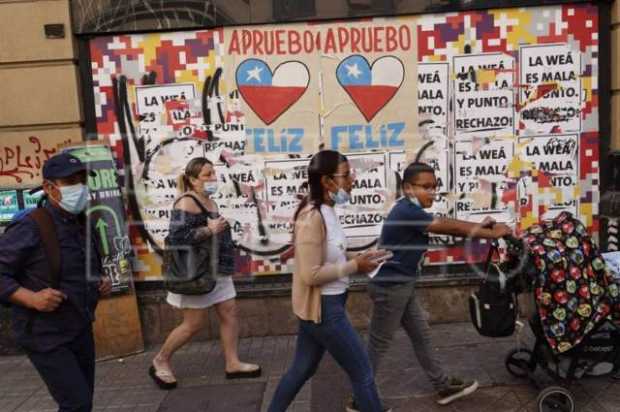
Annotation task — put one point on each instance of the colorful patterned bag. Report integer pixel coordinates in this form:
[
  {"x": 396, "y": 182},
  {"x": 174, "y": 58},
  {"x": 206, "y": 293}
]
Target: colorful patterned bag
[{"x": 573, "y": 289}]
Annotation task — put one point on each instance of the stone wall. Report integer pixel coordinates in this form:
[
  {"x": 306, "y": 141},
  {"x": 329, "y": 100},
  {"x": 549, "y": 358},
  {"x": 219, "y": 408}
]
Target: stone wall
[
  {"x": 40, "y": 91},
  {"x": 271, "y": 314},
  {"x": 40, "y": 103}
]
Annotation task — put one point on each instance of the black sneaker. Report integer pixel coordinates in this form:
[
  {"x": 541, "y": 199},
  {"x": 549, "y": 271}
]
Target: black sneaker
[
  {"x": 351, "y": 406},
  {"x": 457, "y": 388}
]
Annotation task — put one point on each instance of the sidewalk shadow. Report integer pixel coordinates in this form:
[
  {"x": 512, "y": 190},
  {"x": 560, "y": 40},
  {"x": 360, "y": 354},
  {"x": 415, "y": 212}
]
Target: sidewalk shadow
[{"x": 215, "y": 398}]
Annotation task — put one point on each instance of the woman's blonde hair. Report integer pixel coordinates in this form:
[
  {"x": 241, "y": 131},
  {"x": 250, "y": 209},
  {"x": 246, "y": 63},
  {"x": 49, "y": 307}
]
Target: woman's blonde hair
[{"x": 193, "y": 169}]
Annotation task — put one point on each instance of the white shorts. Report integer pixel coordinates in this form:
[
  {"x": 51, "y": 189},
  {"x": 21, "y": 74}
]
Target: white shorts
[{"x": 224, "y": 290}]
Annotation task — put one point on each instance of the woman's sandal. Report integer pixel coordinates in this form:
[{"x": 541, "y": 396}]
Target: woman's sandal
[
  {"x": 163, "y": 379},
  {"x": 251, "y": 371}
]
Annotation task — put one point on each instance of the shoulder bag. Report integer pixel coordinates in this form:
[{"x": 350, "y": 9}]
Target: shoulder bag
[{"x": 188, "y": 269}]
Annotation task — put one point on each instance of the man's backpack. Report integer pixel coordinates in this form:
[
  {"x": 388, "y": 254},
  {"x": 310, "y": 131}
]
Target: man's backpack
[{"x": 49, "y": 239}]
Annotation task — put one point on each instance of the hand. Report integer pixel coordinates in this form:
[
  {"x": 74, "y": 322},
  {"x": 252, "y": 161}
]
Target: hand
[
  {"x": 488, "y": 222},
  {"x": 381, "y": 255},
  {"x": 366, "y": 262},
  {"x": 105, "y": 286},
  {"x": 501, "y": 230},
  {"x": 217, "y": 225},
  {"x": 47, "y": 300}
]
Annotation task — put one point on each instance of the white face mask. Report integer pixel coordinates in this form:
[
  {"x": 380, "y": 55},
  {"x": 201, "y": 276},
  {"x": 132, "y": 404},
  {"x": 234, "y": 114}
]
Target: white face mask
[
  {"x": 210, "y": 187},
  {"x": 74, "y": 198},
  {"x": 414, "y": 200}
]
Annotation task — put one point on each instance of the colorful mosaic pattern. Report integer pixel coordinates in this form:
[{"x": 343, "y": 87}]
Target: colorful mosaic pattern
[
  {"x": 441, "y": 37},
  {"x": 194, "y": 60}
]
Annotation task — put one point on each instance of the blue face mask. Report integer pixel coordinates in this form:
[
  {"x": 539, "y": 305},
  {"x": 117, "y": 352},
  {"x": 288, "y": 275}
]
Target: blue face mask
[
  {"x": 210, "y": 187},
  {"x": 74, "y": 198},
  {"x": 340, "y": 197}
]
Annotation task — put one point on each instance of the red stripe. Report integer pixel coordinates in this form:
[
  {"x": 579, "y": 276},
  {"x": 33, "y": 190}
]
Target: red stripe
[
  {"x": 371, "y": 99},
  {"x": 269, "y": 102}
]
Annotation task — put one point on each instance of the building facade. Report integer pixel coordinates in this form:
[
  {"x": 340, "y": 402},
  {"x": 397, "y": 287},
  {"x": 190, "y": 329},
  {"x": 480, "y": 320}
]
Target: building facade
[{"x": 516, "y": 108}]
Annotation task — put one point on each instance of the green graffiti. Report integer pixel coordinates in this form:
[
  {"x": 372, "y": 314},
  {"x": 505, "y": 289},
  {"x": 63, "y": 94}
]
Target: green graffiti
[{"x": 102, "y": 227}]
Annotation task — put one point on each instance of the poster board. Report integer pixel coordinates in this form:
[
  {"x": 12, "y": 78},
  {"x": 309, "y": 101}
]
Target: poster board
[
  {"x": 9, "y": 205},
  {"x": 117, "y": 327}
]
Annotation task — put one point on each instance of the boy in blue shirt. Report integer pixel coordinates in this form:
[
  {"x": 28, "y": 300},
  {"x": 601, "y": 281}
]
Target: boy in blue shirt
[{"x": 392, "y": 290}]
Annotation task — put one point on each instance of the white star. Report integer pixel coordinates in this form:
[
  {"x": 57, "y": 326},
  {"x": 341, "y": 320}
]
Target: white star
[
  {"x": 353, "y": 70},
  {"x": 254, "y": 73}
]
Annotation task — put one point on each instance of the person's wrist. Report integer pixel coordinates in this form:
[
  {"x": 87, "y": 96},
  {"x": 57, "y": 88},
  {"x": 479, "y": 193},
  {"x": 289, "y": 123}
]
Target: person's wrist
[
  {"x": 31, "y": 301},
  {"x": 480, "y": 232},
  {"x": 474, "y": 231},
  {"x": 356, "y": 262}
]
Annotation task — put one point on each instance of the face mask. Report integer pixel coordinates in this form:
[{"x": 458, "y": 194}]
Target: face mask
[
  {"x": 340, "y": 197},
  {"x": 415, "y": 201},
  {"x": 74, "y": 198},
  {"x": 210, "y": 187}
]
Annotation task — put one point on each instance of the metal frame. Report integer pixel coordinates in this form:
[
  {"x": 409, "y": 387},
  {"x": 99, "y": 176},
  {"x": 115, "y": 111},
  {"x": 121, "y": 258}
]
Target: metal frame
[
  {"x": 604, "y": 90},
  {"x": 377, "y": 9}
]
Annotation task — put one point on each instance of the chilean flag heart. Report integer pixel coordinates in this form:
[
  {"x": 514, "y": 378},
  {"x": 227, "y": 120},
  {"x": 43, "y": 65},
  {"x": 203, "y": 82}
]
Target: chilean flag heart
[
  {"x": 269, "y": 94},
  {"x": 370, "y": 87}
]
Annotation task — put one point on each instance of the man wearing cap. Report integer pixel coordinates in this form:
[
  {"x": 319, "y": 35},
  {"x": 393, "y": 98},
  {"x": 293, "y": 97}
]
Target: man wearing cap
[{"x": 54, "y": 326}]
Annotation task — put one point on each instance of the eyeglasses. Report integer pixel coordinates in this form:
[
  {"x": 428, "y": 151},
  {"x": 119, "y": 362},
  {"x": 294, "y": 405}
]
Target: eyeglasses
[
  {"x": 430, "y": 189},
  {"x": 345, "y": 175}
]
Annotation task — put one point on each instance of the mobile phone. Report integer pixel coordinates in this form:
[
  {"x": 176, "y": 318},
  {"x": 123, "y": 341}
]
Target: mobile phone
[{"x": 383, "y": 258}]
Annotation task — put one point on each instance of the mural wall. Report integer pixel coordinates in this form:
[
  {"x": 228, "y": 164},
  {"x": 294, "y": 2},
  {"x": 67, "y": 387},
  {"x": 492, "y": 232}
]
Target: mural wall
[{"x": 503, "y": 104}]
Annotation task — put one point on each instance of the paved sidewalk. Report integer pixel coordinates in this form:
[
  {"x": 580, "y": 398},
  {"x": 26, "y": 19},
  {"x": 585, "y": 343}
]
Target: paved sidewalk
[{"x": 123, "y": 385}]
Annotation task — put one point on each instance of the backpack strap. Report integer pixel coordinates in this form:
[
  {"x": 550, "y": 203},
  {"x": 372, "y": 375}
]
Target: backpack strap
[
  {"x": 47, "y": 230},
  {"x": 493, "y": 250}
]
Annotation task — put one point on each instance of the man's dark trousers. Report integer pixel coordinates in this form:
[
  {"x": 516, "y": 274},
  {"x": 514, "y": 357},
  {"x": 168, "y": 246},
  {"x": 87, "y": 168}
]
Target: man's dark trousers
[{"x": 69, "y": 372}]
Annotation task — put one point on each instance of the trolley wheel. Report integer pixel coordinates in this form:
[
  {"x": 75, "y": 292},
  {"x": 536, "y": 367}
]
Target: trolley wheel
[
  {"x": 520, "y": 362},
  {"x": 555, "y": 398}
]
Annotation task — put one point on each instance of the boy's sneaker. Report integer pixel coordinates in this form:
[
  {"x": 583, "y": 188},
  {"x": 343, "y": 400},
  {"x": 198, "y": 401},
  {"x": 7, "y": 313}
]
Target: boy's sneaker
[
  {"x": 457, "y": 388},
  {"x": 351, "y": 406}
]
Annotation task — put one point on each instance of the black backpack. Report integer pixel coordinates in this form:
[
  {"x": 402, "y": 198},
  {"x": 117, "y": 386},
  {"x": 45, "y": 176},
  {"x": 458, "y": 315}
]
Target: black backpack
[{"x": 493, "y": 308}]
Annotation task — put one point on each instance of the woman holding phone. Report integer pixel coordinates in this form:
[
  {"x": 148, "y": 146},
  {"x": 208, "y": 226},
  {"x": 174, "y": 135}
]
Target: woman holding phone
[{"x": 320, "y": 283}]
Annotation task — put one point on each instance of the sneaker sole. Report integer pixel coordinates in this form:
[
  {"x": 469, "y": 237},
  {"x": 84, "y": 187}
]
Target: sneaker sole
[
  {"x": 467, "y": 391},
  {"x": 349, "y": 409}
]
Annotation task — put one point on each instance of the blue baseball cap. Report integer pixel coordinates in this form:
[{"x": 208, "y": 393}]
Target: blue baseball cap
[{"x": 63, "y": 165}]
